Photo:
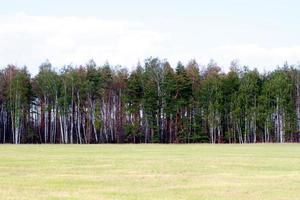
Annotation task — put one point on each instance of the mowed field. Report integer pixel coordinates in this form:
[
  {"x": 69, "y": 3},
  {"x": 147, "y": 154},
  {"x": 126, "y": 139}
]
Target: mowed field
[{"x": 270, "y": 171}]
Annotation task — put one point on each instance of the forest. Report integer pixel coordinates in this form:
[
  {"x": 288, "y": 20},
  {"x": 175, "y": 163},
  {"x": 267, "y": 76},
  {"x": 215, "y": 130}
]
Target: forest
[{"x": 153, "y": 103}]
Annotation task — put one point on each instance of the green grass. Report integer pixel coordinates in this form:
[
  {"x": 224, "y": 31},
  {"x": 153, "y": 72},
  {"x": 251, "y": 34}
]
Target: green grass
[{"x": 150, "y": 172}]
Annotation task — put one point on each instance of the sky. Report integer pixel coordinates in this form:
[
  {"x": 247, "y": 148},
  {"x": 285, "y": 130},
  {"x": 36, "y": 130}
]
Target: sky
[{"x": 259, "y": 34}]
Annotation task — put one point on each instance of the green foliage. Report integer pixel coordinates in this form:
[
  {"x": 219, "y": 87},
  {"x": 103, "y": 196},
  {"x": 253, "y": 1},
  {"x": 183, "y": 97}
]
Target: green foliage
[{"x": 153, "y": 103}]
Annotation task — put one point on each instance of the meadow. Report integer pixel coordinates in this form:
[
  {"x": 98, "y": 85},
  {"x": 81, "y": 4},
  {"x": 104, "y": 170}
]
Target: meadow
[{"x": 93, "y": 172}]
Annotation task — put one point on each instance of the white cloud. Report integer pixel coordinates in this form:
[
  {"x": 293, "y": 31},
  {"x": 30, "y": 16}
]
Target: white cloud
[
  {"x": 251, "y": 55},
  {"x": 254, "y": 55},
  {"x": 30, "y": 40}
]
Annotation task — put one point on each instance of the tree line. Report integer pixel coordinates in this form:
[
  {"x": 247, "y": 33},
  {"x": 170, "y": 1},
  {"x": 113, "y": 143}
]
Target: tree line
[{"x": 154, "y": 103}]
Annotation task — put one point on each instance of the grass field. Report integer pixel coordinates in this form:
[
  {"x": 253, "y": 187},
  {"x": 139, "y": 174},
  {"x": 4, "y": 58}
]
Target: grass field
[{"x": 150, "y": 172}]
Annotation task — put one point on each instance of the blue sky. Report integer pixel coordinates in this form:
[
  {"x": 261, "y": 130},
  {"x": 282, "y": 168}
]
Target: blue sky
[{"x": 260, "y": 34}]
